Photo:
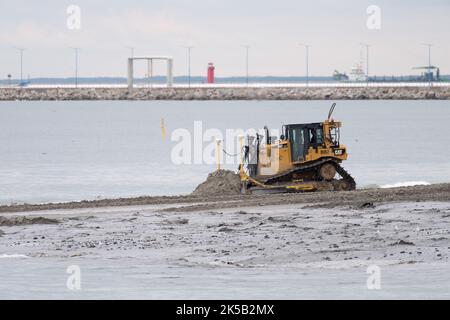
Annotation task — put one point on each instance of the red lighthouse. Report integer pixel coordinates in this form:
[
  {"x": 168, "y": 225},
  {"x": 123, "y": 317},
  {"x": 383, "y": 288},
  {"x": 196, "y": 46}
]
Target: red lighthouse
[{"x": 211, "y": 69}]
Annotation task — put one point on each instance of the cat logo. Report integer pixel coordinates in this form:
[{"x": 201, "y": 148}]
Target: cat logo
[{"x": 339, "y": 152}]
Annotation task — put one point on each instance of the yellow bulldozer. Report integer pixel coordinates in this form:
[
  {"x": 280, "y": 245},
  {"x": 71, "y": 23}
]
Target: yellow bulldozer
[{"x": 306, "y": 157}]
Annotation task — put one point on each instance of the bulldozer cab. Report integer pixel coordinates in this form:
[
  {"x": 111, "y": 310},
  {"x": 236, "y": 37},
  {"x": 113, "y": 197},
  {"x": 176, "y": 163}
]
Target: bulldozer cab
[{"x": 302, "y": 137}]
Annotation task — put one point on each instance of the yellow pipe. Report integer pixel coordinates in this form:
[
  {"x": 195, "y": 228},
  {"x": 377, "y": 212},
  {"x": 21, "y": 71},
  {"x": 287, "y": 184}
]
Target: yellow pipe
[
  {"x": 163, "y": 129},
  {"x": 218, "y": 154},
  {"x": 241, "y": 144}
]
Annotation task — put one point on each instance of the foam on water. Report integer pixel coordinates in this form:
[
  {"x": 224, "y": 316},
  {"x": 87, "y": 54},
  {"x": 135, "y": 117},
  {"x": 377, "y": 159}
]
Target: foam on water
[
  {"x": 13, "y": 256},
  {"x": 405, "y": 184}
]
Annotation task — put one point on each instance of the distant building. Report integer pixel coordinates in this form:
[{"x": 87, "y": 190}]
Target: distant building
[{"x": 430, "y": 73}]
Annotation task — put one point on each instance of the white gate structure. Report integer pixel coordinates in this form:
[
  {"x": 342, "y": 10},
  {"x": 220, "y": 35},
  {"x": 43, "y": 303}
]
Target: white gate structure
[{"x": 149, "y": 60}]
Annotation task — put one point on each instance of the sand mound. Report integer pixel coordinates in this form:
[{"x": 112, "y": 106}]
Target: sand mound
[
  {"x": 220, "y": 182},
  {"x": 20, "y": 221}
]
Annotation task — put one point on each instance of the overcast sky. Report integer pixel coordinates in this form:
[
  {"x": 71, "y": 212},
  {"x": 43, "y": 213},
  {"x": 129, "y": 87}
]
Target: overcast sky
[{"x": 217, "y": 29}]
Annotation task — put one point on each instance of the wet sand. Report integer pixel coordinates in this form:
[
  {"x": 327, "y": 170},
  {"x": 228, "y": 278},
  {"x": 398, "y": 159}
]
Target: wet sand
[
  {"x": 407, "y": 229},
  {"x": 357, "y": 198},
  {"x": 402, "y": 224}
]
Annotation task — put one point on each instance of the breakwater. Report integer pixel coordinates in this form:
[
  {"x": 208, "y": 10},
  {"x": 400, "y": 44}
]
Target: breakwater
[{"x": 240, "y": 93}]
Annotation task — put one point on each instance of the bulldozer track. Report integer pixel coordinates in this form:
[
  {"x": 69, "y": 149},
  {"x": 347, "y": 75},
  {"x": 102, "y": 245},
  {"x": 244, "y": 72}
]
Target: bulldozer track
[
  {"x": 346, "y": 176},
  {"x": 340, "y": 170}
]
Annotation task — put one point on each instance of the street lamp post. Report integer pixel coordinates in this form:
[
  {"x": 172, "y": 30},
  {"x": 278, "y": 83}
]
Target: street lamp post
[
  {"x": 76, "y": 66},
  {"x": 131, "y": 51},
  {"x": 307, "y": 62},
  {"x": 247, "y": 47},
  {"x": 367, "y": 60},
  {"x": 21, "y": 50},
  {"x": 189, "y": 48},
  {"x": 429, "y": 45}
]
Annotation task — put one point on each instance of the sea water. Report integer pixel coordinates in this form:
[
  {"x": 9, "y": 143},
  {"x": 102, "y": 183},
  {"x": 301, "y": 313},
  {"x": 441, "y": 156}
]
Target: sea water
[{"x": 64, "y": 151}]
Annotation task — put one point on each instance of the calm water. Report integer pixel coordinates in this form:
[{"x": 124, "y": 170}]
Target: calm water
[
  {"x": 46, "y": 278},
  {"x": 61, "y": 151}
]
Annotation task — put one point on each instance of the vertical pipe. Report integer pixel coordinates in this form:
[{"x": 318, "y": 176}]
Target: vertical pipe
[
  {"x": 241, "y": 146},
  {"x": 163, "y": 129},
  {"x": 218, "y": 154}
]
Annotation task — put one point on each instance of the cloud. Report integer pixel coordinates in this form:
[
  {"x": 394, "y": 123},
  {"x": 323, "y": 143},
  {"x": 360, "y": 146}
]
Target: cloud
[
  {"x": 128, "y": 26},
  {"x": 30, "y": 33},
  {"x": 133, "y": 22}
]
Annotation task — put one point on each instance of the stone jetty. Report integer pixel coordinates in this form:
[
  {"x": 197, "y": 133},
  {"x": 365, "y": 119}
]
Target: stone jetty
[{"x": 216, "y": 93}]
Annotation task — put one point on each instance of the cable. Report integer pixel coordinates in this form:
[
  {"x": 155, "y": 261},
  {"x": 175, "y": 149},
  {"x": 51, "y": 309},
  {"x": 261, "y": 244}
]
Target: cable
[{"x": 231, "y": 155}]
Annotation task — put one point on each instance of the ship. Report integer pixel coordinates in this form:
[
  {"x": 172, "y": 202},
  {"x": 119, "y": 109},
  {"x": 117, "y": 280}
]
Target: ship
[{"x": 357, "y": 74}]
